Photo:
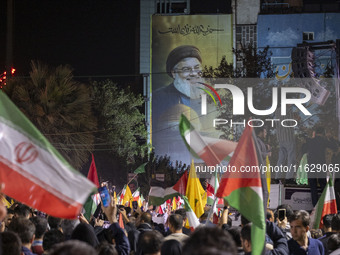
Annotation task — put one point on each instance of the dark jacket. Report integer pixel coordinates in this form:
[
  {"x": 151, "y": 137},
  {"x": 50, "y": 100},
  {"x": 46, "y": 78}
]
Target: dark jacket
[
  {"x": 26, "y": 251},
  {"x": 122, "y": 242},
  {"x": 324, "y": 240},
  {"x": 278, "y": 238},
  {"x": 315, "y": 247},
  {"x": 316, "y": 149},
  {"x": 134, "y": 235},
  {"x": 85, "y": 232}
]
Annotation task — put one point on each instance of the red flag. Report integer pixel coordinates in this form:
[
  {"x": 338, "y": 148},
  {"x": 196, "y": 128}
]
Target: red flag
[
  {"x": 181, "y": 184},
  {"x": 92, "y": 175},
  {"x": 120, "y": 221}
]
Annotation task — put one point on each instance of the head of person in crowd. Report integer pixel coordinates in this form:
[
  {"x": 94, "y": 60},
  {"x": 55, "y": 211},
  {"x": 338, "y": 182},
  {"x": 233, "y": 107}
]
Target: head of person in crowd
[
  {"x": 244, "y": 221},
  {"x": 133, "y": 186},
  {"x": 10, "y": 243},
  {"x": 160, "y": 227},
  {"x": 246, "y": 237},
  {"x": 288, "y": 208},
  {"x": 175, "y": 222},
  {"x": 327, "y": 223},
  {"x": 184, "y": 65},
  {"x": 22, "y": 210},
  {"x": 9, "y": 217},
  {"x": 145, "y": 217},
  {"x": 320, "y": 131},
  {"x": 334, "y": 242},
  {"x": 85, "y": 232},
  {"x": 171, "y": 247},
  {"x": 25, "y": 230},
  {"x": 68, "y": 226},
  {"x": 54, "y": 222},
  {"x": 106, "y": 249},
  {"x": 261, "y": 132},
  {"x": 183, "y": 213},
  {"x": 127, "y": 210},
  {"x": 209, "y": 239},
  {"x": 336, "y": 223},
  {"x": 151, "y": 242},
  {"x": 41, "y": 226},
  {"x": 73, "y": 247},
  {"x": 316, "y": 233},
  {"x": 235, "y": 233},
  {"x": 270, "y": 215},
  {"x": 204, "y": 217},
  {"x": 52, "y": 237},
  {"x": 230, "y": 221},
  {"x": 299, "y": 225}
]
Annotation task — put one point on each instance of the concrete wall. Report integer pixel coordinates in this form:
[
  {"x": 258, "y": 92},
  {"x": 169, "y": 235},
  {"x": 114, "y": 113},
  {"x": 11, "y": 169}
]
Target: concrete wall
[
  {"x": 147, "y": 8},
  {"x": 247, "y": 11}
]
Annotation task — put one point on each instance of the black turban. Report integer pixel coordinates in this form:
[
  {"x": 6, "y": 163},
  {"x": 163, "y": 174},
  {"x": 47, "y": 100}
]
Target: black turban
[{"x": 179, "y": 53}]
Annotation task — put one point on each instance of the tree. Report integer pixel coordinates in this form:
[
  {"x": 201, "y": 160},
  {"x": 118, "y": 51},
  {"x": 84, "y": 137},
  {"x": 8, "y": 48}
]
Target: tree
[
  {"x": 119, "y": 114},
  {"x": 60, "y": 107}
]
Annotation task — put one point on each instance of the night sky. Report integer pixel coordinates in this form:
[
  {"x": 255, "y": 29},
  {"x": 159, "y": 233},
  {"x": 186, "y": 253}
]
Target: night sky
[{"x": 98, "y": 37}]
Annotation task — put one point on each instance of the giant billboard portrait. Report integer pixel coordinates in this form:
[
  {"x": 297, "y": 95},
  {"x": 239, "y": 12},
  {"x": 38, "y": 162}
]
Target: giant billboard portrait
[{"x": 181, "y": 47}]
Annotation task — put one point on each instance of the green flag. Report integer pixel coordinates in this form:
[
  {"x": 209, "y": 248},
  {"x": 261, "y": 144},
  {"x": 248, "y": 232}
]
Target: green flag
[
  {"x": 140, "y": 169},
  {"x": 302, "y": 177}
]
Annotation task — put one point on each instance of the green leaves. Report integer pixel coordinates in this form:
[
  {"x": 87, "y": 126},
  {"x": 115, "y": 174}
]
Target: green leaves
[
  {"x": 60, "y": 107},
  {"x": 118, "y": 112}
]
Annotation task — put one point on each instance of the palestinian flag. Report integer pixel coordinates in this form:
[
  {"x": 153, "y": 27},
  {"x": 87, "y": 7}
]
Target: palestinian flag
[
  {"x": 33, "y": 172},
  {"x": 325, "y": 205},
  {"x": 243, "y": 191},
  {"x": 211, "y": 150},
  {"x": 158, "y": 194},
  {"x": 94, "y": 200},
  {"x": 191, "y": 216}
]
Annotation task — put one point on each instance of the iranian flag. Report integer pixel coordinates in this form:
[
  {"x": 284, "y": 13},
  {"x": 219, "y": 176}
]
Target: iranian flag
[
  {"x": 191, "y": 216},
  {"x": 326, "y": 205},
  {"x": 121, "y": 197},
  {"x": 243, "y": 190},
  {"x": 211, "y": 150},
  {"x": 212, "y": 187},
  {"x": 158, "y": 194},
  {"x": 33, "y": 172},
  {"x": 136, "y": 197}
]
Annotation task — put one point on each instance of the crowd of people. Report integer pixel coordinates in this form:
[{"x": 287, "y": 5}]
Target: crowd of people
[{"x": 25, "y": 231}]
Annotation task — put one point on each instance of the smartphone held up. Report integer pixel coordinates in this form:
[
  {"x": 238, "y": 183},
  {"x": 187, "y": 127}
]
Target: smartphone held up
[{"x": 104, "y": 196}]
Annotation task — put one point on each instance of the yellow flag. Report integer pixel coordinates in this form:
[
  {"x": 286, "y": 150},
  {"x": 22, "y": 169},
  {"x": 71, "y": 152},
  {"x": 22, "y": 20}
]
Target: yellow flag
[
  {"x": 5, "y": 202},
  {"x": 127, "y": 196},
  {"x": 195, "y": 192},
  {"x": 174, "y": 204}
]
